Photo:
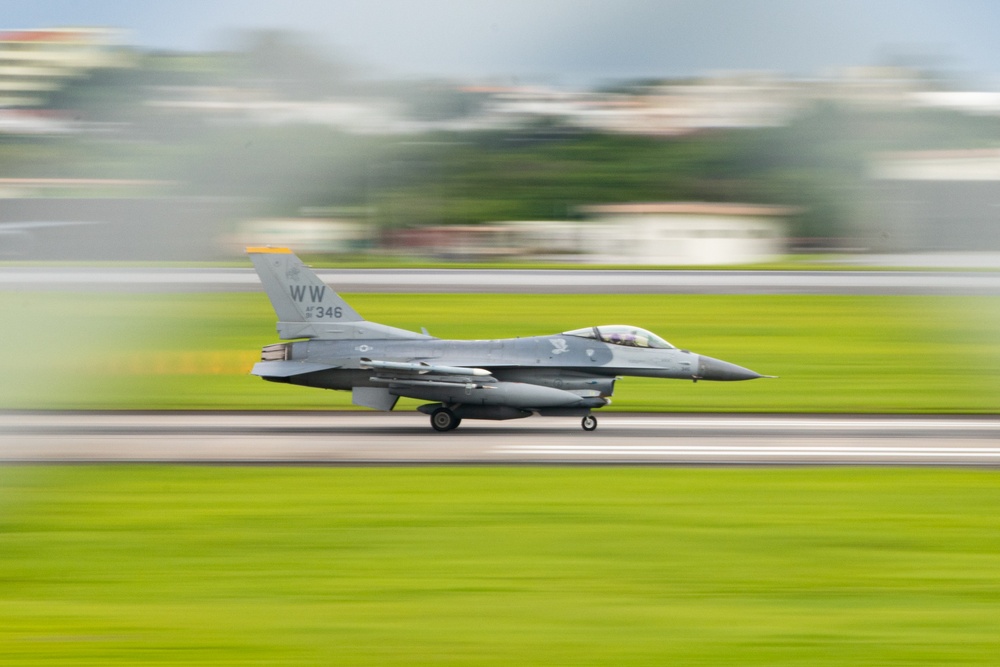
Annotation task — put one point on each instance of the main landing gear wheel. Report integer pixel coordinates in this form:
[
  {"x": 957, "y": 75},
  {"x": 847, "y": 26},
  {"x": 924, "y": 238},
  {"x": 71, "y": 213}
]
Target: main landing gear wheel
[
  {"x": 589, "y": 423},
  {"x": 444, "y": 419}
]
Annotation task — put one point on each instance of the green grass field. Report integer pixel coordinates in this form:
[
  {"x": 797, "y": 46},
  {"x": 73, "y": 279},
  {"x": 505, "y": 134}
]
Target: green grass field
[
  {"x": 193, "y": 351},
  {"x": 104, "y": 565}
]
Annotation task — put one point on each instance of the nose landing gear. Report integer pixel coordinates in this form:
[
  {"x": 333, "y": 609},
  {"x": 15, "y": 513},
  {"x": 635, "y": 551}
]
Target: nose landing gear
[{"x": 589, "y": 423}]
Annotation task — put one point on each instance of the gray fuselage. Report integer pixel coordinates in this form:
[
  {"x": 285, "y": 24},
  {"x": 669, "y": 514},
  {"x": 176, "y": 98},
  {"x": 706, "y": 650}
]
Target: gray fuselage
[{"x": 536, "y": 359}]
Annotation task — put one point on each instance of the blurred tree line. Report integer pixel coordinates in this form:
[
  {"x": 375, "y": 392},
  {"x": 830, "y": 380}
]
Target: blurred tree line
[{"x": 540, "y": 170}]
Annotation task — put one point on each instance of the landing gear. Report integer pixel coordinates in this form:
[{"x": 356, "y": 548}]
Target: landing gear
[
  {"x": 589, "y": 423},
  {"x": 444, "y": 419}
]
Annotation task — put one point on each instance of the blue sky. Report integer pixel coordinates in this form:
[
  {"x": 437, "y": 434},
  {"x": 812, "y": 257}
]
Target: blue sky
[{"x": 569, "y": 41}]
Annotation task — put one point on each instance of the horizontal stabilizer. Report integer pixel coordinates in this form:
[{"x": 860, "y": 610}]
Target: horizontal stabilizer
[
  {"x": 377, "y": 398},
  {"x": 285, "y": 369}
]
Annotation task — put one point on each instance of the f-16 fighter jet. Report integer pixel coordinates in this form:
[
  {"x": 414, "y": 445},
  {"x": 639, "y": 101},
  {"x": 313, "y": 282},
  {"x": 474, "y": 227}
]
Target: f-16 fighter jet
[{"x": 565, "y": 374}]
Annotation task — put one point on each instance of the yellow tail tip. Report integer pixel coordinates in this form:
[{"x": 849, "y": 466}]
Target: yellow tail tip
[{"x": 262, "y": 250}]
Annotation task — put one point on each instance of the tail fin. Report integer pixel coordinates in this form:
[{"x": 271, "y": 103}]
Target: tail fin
[{"x": 305, "y": 305}]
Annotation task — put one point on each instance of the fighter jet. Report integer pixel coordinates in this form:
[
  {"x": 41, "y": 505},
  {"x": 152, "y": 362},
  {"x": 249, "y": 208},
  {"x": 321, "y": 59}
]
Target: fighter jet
[{"x": 565, "y": 374}]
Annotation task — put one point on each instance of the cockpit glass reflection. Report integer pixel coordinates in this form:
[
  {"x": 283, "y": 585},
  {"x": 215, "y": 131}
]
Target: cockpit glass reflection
[{"x": 622, "y": 334}]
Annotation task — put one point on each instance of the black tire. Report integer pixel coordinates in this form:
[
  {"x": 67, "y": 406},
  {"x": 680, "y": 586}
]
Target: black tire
[
  {"x": 444, "y": 419},
  {"x": 589, "y": 423}
]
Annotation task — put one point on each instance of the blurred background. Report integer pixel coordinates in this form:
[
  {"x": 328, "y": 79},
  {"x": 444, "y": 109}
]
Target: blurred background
[
  {"x": 639, "y": 133},
  {"x": 139, "y": 140},
  {"x": 143, "y": 143}
]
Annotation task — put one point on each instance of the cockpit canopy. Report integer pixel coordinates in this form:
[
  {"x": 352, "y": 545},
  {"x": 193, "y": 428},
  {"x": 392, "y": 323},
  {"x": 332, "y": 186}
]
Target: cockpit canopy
[{"x": 622, "y": 334}]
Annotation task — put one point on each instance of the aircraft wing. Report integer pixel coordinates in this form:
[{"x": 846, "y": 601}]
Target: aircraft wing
[{"x": 286, "y": 369}]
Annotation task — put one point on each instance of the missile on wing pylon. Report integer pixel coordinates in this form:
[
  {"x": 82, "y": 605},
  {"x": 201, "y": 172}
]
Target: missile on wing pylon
[{"x": 421, "y": 367}]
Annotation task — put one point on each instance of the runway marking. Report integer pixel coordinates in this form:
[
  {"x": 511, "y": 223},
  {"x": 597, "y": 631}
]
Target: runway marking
[
  {"x": 823, "y": 424},
  {"x": 754, "y": 451}
]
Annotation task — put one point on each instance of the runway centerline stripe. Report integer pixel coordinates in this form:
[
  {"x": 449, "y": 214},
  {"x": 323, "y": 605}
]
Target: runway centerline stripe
[
  {"x": 902, "y": 424},
  {"x": 708, "y": 450}
]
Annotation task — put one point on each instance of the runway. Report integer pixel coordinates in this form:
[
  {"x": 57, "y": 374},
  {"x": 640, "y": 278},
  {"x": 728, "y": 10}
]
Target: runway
[
  {"x": 405, "y": 438},
  {"x": 557, "y": 281}
]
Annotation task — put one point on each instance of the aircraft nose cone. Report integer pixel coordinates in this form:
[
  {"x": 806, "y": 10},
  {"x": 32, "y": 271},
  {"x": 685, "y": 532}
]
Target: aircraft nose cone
[{"x": 716, "y": 369}]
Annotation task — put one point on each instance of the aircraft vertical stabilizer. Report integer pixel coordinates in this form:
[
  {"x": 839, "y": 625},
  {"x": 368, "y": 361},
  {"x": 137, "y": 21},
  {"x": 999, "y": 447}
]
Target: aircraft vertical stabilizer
[{"x": 306, "y": 306}]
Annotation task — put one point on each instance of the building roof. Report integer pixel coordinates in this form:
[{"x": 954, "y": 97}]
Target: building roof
[
  {"x": 982, "y": 164},
  {"x": 51, "y": 35},
  {"x": 689, "y": 208}
]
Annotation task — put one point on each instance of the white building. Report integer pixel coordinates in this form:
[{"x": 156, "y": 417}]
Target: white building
[
  {"x": 306, "y": 235},
  {"x": 936, "y": 201},
  {"x": 33, "y": 63},
  {"x": 683, "y": 233}
]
